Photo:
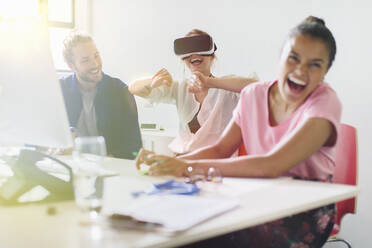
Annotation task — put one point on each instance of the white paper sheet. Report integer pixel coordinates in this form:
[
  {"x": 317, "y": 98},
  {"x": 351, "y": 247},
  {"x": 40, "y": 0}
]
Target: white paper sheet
[
  {"x": 174, "y": 212},
  {"x": 235, "y": 187}
]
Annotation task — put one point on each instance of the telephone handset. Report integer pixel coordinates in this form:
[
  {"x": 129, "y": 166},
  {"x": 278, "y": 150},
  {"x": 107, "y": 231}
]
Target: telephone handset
[{"x": 28, "y": 175}]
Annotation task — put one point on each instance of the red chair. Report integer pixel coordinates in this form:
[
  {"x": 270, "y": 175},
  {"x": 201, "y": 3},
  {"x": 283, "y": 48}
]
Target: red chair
[
  {"x": 345, "y": 173},
  {"x": 242, "y": 151},
  {"x": 346, "y": 170}
]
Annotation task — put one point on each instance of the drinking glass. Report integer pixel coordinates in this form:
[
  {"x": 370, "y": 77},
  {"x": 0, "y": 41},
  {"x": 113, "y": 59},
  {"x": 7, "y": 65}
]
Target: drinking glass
[
  {"x": 89, "y": 153},
  {"x": 90, "y": 149},
  {"x": 214, "y": 175}
]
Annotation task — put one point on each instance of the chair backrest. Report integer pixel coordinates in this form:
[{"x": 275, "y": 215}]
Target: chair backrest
[
  {"x": 242, "y": 151},
  {"x": 346, "y": 170}
]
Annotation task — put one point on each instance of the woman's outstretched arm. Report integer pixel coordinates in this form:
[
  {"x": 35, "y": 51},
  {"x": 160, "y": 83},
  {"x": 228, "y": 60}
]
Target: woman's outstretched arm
[
  {"x": 143, "y": 87},
  {"x": 231, "y": 83},
  {"x": 297, "y": 147}
]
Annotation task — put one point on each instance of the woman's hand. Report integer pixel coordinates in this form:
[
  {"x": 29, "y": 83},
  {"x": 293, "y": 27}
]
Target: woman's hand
[
  {"x": 161, "y": 165},
  {"x": 198, "y": 82},
  {"x": 143, "y": 87},
  {"x": 142, "y": 157},
  {"x": 162, "y": 77}
]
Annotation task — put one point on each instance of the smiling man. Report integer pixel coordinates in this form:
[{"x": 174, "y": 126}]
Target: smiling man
[{"x": 97, "y": 104}]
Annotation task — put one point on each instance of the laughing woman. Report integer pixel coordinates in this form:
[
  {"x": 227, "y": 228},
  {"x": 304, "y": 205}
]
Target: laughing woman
[
  {"x": 204, "y": 103},
  {"x": 291, "y": 133}
]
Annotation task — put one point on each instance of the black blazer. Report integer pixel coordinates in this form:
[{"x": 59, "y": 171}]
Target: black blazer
[{"x": 116, "y": 113}]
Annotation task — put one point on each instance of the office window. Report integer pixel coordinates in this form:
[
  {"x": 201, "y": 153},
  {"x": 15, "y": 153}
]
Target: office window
[
  {"x": 61, "y": 19},
  {"x": 57, "y": 36},
  {"x": 61, "y": 13}
]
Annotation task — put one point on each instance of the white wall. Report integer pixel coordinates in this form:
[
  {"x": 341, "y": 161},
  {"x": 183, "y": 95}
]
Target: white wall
[{"x": 136, "y": 37}]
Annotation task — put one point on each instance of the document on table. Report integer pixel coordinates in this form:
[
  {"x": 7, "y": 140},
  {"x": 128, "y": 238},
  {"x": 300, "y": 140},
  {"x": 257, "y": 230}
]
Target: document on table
[
  {"x": 236, "y": 187},
  {"x": 174, "y": 212}
]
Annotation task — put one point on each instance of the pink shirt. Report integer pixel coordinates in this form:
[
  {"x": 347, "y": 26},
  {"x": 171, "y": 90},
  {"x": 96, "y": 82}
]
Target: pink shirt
[{"x": 259, "y": 137}]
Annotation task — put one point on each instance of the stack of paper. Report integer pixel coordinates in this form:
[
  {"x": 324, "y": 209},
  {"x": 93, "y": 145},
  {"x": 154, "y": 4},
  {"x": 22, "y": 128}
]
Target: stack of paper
[{"x": 174, "y": 212}]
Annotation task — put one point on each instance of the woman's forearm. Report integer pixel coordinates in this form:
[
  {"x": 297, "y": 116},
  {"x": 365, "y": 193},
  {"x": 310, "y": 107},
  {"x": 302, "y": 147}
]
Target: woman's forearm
[
  {"x": 228, "y": 143},
  {"x": 141, "y": 87},
  {"x": 208, "y": 152},
  {"x": 304, "y": 142},
  {"x": 245, "y": 166},
  {"x": 231, "y": 83}
]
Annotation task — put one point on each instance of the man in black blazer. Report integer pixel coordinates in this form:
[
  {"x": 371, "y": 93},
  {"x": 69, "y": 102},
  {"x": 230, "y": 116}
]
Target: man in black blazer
[{"x": 96, "y": 103}]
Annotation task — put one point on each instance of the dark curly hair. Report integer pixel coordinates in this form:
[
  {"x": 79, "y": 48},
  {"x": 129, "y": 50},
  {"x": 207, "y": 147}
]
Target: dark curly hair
[{"x": 316, "y": 28}]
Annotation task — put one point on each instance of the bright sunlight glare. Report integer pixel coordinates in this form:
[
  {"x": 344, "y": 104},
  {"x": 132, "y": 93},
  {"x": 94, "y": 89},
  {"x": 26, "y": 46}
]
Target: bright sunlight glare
[{"x": 19, "y": 8}]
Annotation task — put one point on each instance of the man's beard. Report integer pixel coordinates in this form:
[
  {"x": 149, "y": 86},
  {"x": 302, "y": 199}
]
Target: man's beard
[{"x": 86, "y": 78}]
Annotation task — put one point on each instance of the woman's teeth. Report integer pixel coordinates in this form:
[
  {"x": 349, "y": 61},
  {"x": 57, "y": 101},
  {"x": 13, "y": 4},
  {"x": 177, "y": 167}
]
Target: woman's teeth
[
  {"x": 297, "y": 81},
  {"x": 296, "y": 85}
]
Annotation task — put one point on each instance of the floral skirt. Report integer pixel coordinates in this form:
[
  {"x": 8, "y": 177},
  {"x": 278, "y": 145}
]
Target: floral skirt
[{"x": 309, "y": 229}]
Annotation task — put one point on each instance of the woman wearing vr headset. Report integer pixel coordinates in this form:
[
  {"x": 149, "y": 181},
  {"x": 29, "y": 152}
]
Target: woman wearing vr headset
[
  {"x": 288, "y": 127},
  {"x": 204, "y": 103}
]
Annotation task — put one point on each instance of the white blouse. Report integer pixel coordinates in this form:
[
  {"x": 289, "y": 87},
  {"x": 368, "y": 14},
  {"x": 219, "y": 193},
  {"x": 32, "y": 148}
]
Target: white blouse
[{"x": 213, "y": 117}]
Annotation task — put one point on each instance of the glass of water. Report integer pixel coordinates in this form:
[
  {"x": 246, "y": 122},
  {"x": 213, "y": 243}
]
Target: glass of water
[
  {"x": 89, "y": 153},
  {"x": 90, "y": 149},
  {"x": 214, "y": 175}
]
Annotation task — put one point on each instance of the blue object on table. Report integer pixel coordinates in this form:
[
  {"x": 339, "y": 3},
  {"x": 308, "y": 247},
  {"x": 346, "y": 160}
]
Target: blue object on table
[{"x": 170, "y": 187}]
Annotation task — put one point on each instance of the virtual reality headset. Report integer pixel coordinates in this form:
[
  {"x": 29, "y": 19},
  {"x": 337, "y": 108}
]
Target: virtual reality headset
[{"x": 200, "y": 44}]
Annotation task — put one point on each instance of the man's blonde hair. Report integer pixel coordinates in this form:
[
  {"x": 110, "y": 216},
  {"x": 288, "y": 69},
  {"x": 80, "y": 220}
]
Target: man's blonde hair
[{"x": 74, "y": 38}]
